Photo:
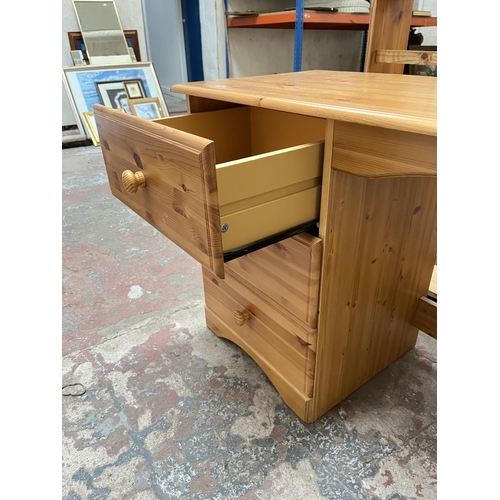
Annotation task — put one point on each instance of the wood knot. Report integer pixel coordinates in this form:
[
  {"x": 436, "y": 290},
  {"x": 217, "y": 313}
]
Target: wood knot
[
  {"x": 138, "y": 161},
  {"x": 178, "y": 209}
]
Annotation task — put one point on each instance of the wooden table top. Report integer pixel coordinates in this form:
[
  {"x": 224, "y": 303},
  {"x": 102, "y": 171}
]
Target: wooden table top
[{"x": 399, "y": 102}]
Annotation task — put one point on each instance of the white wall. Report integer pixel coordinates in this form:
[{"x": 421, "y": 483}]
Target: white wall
[
  {"x": 213, "y": 33},
  {"x": 165, "y": 36},
  {"x": 262, "y": 51},
  {"x": 130, "y": 13}
]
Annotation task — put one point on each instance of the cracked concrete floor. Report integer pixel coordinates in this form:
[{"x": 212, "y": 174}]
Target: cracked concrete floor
[{"x": 169, "y": 411}]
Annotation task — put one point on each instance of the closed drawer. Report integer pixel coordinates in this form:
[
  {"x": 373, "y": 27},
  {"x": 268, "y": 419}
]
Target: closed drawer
[
  {"x": 218, "y": 181},
  {"x": 287, "y": 273},
  {"x": 250, "y": 327}
]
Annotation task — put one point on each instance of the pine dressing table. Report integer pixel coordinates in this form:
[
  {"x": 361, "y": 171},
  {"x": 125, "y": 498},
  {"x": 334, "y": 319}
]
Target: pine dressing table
[{"x": 310, "y": 201}]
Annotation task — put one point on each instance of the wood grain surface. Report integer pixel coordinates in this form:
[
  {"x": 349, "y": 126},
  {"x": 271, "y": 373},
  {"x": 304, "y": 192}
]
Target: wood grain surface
[
  {"x": 180, "y": 198},
  {"x": 379, "y": 248},
  {"x": 426, "y": 316},
  {"x": 272, "y": 314},
  {"x": 426, "y": 58},
  {"x": 390, "y": 22},
  {"x": 377, "y": 152},
  {"x": 291, "y": 358},
  {"x": 294, "y": 398},
  {"x": 399, "y": 102},
  {"x": 433, "y": 286},
  {"x": 287, "y": 273}
]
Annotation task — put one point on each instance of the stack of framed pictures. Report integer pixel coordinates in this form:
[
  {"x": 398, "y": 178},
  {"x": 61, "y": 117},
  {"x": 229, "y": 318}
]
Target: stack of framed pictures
[{"x": 132, "y": 87}]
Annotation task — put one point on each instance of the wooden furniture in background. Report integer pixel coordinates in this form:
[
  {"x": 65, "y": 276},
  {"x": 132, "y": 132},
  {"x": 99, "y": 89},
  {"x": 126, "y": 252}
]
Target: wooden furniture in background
[
  {"x": 76, "y": 41},
  {"x": 390, "y": 23},
  {"x": 321, "y": 311},
  {"x": 418, "y": 57},
  {"x": 426, "y": 313}
]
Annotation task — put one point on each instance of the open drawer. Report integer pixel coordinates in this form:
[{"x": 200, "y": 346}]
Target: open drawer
[{"x": 219, "y": 181}]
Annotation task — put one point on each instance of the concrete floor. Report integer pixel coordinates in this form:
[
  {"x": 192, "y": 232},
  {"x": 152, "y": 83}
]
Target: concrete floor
[{"x": 164, "y": 409}]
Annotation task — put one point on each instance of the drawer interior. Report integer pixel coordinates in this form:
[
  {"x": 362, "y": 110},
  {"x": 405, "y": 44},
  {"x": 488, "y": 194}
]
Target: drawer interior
[
  {"x": 268, "y": 169},
  {"x": 246, "y": 131}
]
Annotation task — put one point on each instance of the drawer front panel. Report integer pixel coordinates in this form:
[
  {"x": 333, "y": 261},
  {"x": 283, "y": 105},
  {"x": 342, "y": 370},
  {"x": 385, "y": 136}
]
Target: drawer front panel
[
  {"x": 293, "y": 360},
  {"x": 287, "y": 273},
  {"x": 180, "y": 195}
]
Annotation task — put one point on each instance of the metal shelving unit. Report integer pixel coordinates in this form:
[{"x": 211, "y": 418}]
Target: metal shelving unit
[{"x": 300, "y": 20}]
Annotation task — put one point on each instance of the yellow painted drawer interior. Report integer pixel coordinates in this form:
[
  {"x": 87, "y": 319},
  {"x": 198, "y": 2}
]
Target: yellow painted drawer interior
[{"x": 268, "y": 166}]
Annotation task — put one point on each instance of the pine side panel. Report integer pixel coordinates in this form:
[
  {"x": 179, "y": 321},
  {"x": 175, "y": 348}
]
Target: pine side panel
[
  {"x": 339, "y": 230},
  {"x": 379, "y": 248},
  {"x": 417, "y": 265}
]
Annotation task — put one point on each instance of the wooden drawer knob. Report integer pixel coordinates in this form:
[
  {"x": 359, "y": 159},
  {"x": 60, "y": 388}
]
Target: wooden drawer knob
[
  {"x": 241, "y": 317},
  {"x": 131, "y": 182}
]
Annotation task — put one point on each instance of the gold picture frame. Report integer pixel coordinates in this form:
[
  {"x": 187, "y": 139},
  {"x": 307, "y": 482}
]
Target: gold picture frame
[
  {"x": 89, "y": 120},
  {"x": 134, "y": 89},
  {"x": 148, "y": 108}
]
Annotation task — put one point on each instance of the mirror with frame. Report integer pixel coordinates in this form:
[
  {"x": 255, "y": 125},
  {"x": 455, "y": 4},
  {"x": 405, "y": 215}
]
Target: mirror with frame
[{"x": 102, "y": 31}]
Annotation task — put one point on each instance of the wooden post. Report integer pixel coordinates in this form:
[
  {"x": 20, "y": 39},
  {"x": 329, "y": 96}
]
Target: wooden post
[{"x": 390, "y": 22}]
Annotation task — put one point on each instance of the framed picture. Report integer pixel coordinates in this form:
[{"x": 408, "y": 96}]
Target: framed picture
[
  {"x": 77, "y": 57},
  {"x": 80, "y": 81},
  {"x": 89, "y": 120},
  {"x": 76, "y": 42},
  {"x": 149, "y": 109},
  {"x": 134, "y": 89},
  {"x": 114, "y": 95}
]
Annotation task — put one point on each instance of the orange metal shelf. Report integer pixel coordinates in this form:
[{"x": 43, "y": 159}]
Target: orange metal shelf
[{"x": 315, "y": 20}]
